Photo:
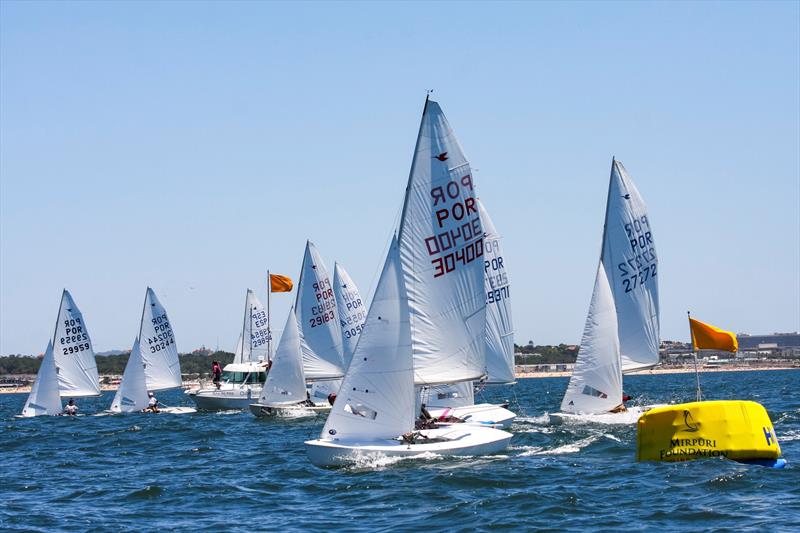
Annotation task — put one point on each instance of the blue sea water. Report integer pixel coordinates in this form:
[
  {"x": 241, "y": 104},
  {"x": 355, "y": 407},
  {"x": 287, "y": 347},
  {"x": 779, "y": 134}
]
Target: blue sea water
[{"x": 230, "y": 471}]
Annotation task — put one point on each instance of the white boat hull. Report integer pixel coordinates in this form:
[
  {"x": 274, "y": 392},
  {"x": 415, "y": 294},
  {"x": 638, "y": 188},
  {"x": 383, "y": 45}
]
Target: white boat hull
[
  {"x": 225, "y": 398},
  {"x": 459, "y": 441},
  {"x": 628, "y": 417},
  {"x": 287, "y": 411},
  {"x": 483, "y": 414}
]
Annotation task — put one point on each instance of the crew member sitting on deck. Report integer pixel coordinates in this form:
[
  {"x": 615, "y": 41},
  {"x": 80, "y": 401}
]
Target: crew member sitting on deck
[
  {"x": 70, "y": 409},
  {"x": 425, "y": 420},
  {"x": 152, "y": 403}
]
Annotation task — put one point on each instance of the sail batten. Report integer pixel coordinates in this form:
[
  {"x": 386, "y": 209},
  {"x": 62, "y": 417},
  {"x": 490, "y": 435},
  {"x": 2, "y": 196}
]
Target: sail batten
[{"x": 441, "y": 249}]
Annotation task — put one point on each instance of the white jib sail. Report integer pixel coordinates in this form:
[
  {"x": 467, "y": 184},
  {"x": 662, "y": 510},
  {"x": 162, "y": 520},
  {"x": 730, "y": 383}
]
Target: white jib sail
[
  {"x": 162, "y": 368},
  {"x": 499, "y": 327},
  {"x": 238, "y": 352},
  {"x": 461, "y": 394},
  {"x": 255, "y": 330},
  {"x": 352, "y": 310},
  {"x": 286, "y": 382},
  {"x": 376, "y": 400},
  {"x": 44, "y": 398},
  {"x": 74, "y": 355},
  {"x": 596, "y": 382},
  {"x": 132, "y": 396},
  {"x": 629, "y": 256},
  {"x": 317, "y": 315},
  {"x": 441, "y": 245}
]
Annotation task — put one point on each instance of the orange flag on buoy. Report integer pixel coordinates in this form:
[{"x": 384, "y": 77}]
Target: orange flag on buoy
[
  {"x": 278, "y": 283},
  {"x": 708, "y": 337}
]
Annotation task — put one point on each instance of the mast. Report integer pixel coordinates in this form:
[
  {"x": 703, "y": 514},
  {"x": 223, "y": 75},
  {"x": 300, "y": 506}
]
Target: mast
[
  {"x": 58, "y": 317},
  {"x": 144, "y": 306},
  {"x": 244, "y": 321},
  {"x": 269, "y": 323},
  {"x": 694, "y": 355},
  {"x": 608, "y": 203}
]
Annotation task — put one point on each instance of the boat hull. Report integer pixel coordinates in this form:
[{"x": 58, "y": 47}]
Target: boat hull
[
  {"x": 629, "y": 417},
  {"x": 216, "y": 400},
  {"x": 462, "y": 441},
  {"x": 483, "y": 414},
  {"x": 287, "y": 411}
]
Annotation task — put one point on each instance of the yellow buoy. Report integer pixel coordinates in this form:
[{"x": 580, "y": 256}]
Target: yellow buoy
[{"x": 735, "y": 429}]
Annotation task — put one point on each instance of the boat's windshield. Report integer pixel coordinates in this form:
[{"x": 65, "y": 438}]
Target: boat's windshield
[{"x": 244, "y": 377}]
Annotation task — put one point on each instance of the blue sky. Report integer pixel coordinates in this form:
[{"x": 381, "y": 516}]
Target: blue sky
[{"x": 191, "y": 146}]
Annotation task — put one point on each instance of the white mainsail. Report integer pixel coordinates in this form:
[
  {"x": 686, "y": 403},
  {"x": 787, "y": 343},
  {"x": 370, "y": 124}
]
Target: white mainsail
[
  {"x": 376, "y": 400},
  {"x": 255, "y": 331},
  {"x": 286, "y": 382},
  {"x": 352, "y": 310},
  {"x": 132, "y": 396},
  {"x": 74, "y": 355},
  {"x": 441, "y": 246},
  {"x": 316, "y": 312},
  {"x": 499, "y": 327},
  {"x": 596, "y": 382},
  {"x": 162, "y": 368},
  {"x": 238, "y": 356},
  {"x": 629, "y": 257},
  {"x": 44, "y": 398}
]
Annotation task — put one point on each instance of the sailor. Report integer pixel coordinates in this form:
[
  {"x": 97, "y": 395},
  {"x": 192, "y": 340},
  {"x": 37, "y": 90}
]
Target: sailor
[
  {"x": 152, "y": 403},
  {"x": 307, "y": 402},
  {"x": 71, "y": 408},
  {"x": 331, "y": 398},
  {"x": 216, "y": 372},
  {"x": 425, "y": 420}
]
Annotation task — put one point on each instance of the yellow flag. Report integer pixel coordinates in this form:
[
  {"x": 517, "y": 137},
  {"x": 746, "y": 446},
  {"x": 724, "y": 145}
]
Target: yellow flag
[
  {"x": 278, "y": 283},
  {"x": 707, "y": 337}
]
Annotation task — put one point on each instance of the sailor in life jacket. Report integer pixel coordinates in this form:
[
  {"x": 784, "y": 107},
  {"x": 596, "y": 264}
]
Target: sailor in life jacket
[{"x": 71, "y": 408}]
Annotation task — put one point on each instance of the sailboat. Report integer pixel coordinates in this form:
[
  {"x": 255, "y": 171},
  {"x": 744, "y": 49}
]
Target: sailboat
[
  {"x": 622, "y": 327},
  {"x": 156, "y": 354},
  {"x": 426, "y": 323},
  {"x": 458, "y": 400},
  {"x": 68, "y": 365},
  {"x": 374, "y": 413},
  {"x": 351, "y": 308},
  {"x": 284, "y": 393},
  {"x": 317, "y": 314},
  {"x": 44, "y": 398},
  {"x": 242, "y": 380}
]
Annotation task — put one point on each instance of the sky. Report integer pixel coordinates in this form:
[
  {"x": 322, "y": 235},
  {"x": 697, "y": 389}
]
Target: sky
[{"x": 192, "y": 146}]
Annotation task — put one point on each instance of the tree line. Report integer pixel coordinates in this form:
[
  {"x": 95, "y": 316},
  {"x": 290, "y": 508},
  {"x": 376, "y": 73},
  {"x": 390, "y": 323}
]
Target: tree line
[{"x": 191, "y": 363}]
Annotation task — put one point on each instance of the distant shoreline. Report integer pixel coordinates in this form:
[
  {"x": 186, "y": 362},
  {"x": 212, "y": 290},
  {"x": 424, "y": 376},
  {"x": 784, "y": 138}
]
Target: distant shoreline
[
  {"x": 519, "y": 375},
  {"x": 654, "y": 371}
]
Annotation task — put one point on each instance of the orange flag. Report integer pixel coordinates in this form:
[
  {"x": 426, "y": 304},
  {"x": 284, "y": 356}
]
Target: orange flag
[
  {"x": 708, "y": 337},
  {"x": 278, "y": 283}
]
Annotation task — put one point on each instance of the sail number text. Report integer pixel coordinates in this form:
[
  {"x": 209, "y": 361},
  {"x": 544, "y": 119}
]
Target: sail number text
[
  {"x": 636, "y": 270},
  {"x": 325, "y": 309},
  {"x": 162, "y": 334},
  {"x": 459, "y": 240},
  {"x": 73, "y": 337}
]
